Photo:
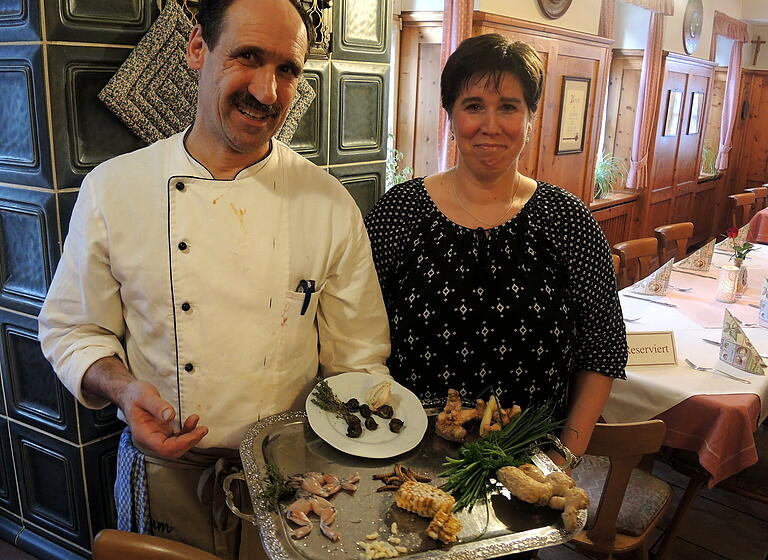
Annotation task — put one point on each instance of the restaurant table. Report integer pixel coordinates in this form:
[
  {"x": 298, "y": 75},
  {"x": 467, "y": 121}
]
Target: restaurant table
[
  {"x": 758, "y": 227},
  {"x": 706, "y": 413}
]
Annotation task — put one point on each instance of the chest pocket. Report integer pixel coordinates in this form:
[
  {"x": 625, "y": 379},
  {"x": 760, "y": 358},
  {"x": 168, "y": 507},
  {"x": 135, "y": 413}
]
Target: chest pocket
[{"x": 298, "y": 332}]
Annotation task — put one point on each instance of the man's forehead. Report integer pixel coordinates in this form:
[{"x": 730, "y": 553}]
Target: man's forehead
[{"x": 246, "y": 24}]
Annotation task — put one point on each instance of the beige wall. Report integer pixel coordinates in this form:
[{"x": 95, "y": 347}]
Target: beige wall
[
  {"x": 673, "y": 25},
  {"x": 583, "y": 15},
  {"x": 749, "y": 49}
]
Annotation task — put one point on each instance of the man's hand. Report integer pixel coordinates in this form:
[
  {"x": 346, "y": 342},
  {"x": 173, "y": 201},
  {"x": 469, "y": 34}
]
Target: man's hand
[
  {"x": 148, "y": 415},
  {"x": 151, "y": 421}
]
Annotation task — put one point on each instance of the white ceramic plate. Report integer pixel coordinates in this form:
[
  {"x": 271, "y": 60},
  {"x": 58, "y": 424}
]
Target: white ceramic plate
[{"x": 382, "y": 442}]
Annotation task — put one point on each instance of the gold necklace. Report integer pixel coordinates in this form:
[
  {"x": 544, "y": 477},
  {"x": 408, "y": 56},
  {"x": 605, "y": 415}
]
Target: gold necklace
[{"x": 500, "y": 219}]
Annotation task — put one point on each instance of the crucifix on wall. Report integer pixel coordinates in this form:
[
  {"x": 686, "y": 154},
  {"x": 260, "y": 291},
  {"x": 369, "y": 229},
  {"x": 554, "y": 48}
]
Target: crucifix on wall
[{"x": 757, "y": 42}]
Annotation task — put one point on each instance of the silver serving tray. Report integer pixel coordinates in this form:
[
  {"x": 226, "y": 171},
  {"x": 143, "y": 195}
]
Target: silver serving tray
[{"x": 285, "y": 439}]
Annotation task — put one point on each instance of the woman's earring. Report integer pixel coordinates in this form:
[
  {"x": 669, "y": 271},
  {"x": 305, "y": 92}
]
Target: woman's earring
[
  {"x": 527, "y": 137},
  {"x": 452, "y": 137}
]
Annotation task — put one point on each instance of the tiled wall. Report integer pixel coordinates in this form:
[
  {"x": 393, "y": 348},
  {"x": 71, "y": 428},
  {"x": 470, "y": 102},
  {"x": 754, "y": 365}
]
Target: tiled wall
[{"x": 57, "y": 459}]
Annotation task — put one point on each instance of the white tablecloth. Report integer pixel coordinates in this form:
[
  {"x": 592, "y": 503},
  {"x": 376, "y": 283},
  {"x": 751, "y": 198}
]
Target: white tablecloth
[{"x": 651, "y": 390}]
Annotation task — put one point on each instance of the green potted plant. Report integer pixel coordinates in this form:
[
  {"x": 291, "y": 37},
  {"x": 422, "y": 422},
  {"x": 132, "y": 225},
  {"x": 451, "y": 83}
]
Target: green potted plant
[
  {"x": 395, "y": 175},
  {"x": 609, "y": 172},
  {"x": 708, "y": 159}
]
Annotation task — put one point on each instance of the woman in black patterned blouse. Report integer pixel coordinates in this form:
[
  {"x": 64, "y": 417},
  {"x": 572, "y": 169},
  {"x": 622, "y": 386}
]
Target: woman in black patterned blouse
[{"x": 491, "y": 278}]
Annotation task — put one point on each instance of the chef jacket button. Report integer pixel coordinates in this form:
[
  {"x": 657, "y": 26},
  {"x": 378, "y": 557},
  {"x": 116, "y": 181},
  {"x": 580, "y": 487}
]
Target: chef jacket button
[
  {"x": 189, "y": 368},
  {"x": 180, "y": 186},
  {"x": 185, "y": 306},
  {"x": 182, "y": 246}
]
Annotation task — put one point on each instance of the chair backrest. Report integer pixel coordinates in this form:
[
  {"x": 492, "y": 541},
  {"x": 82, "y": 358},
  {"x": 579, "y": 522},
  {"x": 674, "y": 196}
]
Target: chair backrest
[
  {"x": 673, "y": 237},
  {"x": 637, "y": 258},
  {"x": 761, "y": 196},
  {"x": 110, "y": 544},
  {"x": 742, "y": 206},
  {"x": 624, "y": 445}
]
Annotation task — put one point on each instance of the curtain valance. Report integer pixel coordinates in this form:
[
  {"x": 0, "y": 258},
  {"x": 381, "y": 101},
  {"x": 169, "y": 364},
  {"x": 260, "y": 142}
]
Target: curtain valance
[
  {"x": 730, "y": 27},
  {"x": 664, "y": 7}
]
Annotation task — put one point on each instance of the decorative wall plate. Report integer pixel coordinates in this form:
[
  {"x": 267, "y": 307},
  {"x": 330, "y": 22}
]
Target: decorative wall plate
[
  {"x": 554, "y": 8},
  {"x": 692, "y": 20}
]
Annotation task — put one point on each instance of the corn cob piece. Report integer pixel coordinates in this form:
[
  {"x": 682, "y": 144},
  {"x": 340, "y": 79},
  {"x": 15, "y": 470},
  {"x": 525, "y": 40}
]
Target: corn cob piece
[
  {"x": 423, "y": 499},
  {"x": 444, "y": 527}
]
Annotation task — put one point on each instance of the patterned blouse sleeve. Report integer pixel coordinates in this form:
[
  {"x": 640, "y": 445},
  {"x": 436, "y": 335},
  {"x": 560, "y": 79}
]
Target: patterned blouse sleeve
[
  {"x": 386, "y": 228},
  {"x": 601, "y": 335}
]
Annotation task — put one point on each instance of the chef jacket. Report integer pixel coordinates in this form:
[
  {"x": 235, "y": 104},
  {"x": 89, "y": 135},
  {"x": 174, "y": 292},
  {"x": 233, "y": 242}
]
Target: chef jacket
[{"x": 193, "y": 282}]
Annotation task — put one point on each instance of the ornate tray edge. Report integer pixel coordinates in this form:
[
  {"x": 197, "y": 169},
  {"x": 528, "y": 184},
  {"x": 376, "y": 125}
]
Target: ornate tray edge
[{"x": 465, "y": 551}]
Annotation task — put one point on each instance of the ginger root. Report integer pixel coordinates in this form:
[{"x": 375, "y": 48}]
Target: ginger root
[
  {"x": 558, "y": 490},
  {"x": 450, "y": 421}
]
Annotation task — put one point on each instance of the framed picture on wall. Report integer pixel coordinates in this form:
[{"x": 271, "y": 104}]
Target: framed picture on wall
[
  {"x": 674, "y": 107},
  {"x": 694, "y": 122},
  {"x": 573, "y": 115}
]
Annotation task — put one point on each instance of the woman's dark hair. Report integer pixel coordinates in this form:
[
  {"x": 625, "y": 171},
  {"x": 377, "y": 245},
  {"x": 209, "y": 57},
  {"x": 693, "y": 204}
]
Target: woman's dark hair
[
  {"x": 491, "y": 56},
  {"x": 210, "y": 16}
]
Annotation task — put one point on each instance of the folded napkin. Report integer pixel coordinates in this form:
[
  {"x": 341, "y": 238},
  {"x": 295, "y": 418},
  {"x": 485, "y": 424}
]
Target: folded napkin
[
  {"x": 655, "y": 284},
  {"x": 736, "y": 349},
  {"x": 741, "y": 238},
  {"x": 699, "y": 260}
]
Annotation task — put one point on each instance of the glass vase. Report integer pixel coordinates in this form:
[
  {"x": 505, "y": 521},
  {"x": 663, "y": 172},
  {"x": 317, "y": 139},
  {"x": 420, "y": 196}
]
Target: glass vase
[{"x": 741, "y": 285}]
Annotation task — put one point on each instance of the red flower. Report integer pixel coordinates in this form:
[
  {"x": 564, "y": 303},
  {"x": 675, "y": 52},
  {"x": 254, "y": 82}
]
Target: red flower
[{"x": 732, "y": 232}]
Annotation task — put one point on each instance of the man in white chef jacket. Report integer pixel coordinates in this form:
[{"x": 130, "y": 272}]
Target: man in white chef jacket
[{"x": 201, "y": 274}]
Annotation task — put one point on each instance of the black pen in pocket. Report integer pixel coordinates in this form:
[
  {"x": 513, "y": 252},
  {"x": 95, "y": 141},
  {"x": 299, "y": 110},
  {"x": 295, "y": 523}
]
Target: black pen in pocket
[{"x": 307, "y": 287}]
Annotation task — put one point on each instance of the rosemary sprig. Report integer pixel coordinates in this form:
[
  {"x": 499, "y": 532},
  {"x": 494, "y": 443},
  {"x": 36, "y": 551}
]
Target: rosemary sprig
[
  {"x": 273, "y": 487},
  {"x": 469, "y": 475},
  {"x": 324, "y": 397}
]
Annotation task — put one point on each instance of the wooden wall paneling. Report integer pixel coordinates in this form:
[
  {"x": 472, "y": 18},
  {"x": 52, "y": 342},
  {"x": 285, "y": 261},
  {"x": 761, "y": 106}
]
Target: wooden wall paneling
[
  {"x": 753, "y": 165},
  {"x": 704, "y": 194},
  {"x": 621, "y": 106},
  {"x": 428, "y": 109},
  {"x": 615, "y": 221},
  {"x": 574, "y": 172},
  {"x": 675, "y": 158},
  {"x": 418, "y": 96}
]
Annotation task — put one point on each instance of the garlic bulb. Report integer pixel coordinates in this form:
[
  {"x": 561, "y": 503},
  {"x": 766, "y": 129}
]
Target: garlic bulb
[{"x": 378, "y": 396}]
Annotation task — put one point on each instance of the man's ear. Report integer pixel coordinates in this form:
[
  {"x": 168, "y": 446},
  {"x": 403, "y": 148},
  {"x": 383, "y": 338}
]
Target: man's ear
[{"x": 196, "y": 48}]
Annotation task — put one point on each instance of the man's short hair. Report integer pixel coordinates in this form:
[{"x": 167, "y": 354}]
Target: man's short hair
[{"x": 210, "y": 16}]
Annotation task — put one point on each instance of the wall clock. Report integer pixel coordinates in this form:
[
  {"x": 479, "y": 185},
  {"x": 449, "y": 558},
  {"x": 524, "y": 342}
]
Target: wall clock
[
  {"x": 554, "y": 8},
  {"x": 692, "y": 20}
]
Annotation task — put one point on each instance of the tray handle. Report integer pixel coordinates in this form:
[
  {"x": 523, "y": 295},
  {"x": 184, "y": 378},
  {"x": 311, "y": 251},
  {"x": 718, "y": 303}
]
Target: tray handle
[{"x": 229, "y": 498}]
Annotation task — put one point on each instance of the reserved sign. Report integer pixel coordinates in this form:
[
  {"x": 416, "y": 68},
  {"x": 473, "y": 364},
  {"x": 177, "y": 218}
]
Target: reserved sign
[{"x": 651, "y": 348}]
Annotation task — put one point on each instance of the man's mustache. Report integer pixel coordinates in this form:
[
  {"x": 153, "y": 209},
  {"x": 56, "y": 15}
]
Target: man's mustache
[{"x": 246, "y": 101}]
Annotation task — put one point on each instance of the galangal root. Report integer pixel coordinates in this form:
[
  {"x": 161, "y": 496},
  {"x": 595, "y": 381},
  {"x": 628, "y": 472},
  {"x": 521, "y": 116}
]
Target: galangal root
[
  {"x": 557, "y": 490},
  {"x": 450, "y": 422}
]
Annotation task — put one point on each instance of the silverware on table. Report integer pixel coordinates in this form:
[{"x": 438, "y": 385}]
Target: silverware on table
[
  {"x": 680, "y": 289},
  {"x": 713, "y": 370},
  {"x": 717, "y": 343},
  {"x": 702, "y": 275},
  {"x": 664, "y": 303}
]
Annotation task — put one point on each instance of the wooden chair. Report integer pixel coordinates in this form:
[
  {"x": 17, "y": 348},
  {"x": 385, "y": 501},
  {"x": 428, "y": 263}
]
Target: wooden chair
[
  {"x": 626, "y": 502},
  {"x": 110, "y": 544},
  {"x": 751, "y": 483},
  {"x": 678, "y": 234},
  {"x": 741, "y": 207},
  {"x": 616, "y": 265},
  {"x": 761, "y": 196},
  {"x": 637, "y": 258}
]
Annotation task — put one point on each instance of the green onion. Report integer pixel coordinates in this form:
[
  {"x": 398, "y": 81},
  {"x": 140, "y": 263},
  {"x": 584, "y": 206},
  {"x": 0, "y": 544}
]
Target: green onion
[{"x": 469, "y": 475}]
